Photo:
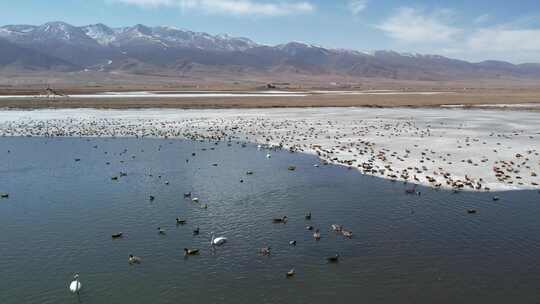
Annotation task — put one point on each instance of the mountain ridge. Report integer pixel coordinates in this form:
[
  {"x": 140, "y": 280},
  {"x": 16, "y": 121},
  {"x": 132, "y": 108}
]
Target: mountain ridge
[{"x": 169, "y": 50}]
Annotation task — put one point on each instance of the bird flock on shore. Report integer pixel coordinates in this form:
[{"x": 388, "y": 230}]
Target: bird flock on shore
[
  {"x": 473, "y": 162},
  {"x": 349, "y": 143}
]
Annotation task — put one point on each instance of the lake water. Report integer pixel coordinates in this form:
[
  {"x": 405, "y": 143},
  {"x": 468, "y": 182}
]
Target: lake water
[{"x": 60, "y": 215}]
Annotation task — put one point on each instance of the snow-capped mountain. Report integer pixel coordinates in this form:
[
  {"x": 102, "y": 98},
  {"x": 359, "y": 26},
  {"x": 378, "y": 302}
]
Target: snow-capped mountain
[
  {"x": 138, "y": 35},
  {"x": 165, "y": 36},
  {"x": 168, "y": 50},
  {"x": 49, "y": 32},
  {"x": 98, "y": 44}
]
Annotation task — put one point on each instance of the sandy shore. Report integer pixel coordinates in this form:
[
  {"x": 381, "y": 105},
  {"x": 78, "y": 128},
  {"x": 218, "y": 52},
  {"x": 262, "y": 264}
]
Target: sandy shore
[
  {"x": 449, "y": 148},
  {"x": 277, "y": 99}
]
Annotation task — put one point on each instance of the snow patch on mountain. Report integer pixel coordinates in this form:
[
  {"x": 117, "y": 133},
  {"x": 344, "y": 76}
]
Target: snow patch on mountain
[{"x": 100, "y": 33}]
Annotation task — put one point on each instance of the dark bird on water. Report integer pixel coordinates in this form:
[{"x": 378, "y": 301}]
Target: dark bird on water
[
  {"x": 290, "y": 273},
  {"x": 333, "y": 259},
  {"x": 280, "y": 220},
  {"x": 134, "y": 259},
  {"x": 190, "y": 251}
]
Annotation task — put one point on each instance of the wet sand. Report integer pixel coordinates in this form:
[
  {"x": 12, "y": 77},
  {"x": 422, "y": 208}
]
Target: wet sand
[{"x": 477, "y": 150}]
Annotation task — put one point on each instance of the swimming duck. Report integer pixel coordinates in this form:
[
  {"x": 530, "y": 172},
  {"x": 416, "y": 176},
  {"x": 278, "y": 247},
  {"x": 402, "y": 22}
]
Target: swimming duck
[
  {"x": 117, "y": 235},
  {"x": 280, "y": 220},
  {"x": 190, "y": 251},
  {"x": 346, "y": 233},
  {"x": 292, "y": 243},
  {"x": 290, "y": 273},
  {"x": 180, "y": 221},
  {"x": 308, "y": 216},
  {"x": 134, "y": 259},
  {"x": 337, "y": 228},
  {"x": 196, "y": 231},
  {"x": 161, "y": 230},
  {"x": 411, "y": 190},
  {"x": 265, "y": 250},
  {"x": 187, "y": 194},
  {"x": 317, "y": 235},
  {"x": 333, "y": 259}
]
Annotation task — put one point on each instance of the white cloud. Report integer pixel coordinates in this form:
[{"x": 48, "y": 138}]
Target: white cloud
[
  {"x": 357, "y": 6},
  {"x": 482, "y": 19},
  {"x": 411, "y": 25},
  {"x": 505, "y": 40},
  {"x": 231, "y": 7},
  {"x": 435, "y": 32}
]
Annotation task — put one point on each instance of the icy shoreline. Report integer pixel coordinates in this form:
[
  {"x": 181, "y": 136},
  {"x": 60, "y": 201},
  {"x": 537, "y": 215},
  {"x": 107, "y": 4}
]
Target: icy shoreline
[
  {"x": 448, "y": 148},
  {"x": 216, "y": 94}
]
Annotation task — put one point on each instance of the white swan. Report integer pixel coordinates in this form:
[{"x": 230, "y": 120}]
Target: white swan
[
  {"x": 218, "y": 241},
  {"x": 75, "y": 285}
]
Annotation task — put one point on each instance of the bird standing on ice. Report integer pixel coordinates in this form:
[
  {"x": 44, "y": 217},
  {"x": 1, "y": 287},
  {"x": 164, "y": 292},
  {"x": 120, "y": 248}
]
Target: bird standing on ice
[{"x": 75, "y": 285}]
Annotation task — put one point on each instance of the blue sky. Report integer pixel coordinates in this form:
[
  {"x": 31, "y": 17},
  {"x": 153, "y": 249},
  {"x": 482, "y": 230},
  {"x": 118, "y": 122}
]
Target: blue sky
[{"x": 471, "y": 30}]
